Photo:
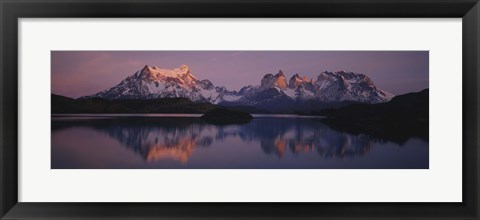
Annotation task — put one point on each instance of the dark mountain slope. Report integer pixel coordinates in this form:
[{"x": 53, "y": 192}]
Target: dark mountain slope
[
  {"x": 62, "y": 104},
  {"x": 403, "y": 116}
]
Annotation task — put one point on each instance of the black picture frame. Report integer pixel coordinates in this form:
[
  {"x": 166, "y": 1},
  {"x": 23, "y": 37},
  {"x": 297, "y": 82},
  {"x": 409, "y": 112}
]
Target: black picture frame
[{"x": 12, "y": 10}]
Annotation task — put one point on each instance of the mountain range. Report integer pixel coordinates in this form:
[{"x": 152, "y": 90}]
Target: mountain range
[{"x": 274, "y": 91}]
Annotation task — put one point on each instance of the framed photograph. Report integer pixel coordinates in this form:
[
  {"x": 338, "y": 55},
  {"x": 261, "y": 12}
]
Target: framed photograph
[{"x": 226, "y": 109}]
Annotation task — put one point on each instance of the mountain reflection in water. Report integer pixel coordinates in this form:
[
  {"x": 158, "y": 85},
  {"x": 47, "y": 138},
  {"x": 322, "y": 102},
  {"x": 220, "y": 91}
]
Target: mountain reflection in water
[{"x": 183, "y": 142}]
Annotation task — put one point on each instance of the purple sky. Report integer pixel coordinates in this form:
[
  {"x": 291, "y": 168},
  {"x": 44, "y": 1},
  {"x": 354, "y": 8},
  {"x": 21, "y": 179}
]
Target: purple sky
[{"x": 80, "y": 73}]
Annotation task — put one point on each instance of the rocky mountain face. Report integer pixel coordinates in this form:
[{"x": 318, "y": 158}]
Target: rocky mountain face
[
  {"x": 329, "y": 87},
  {"x": 274, "y": 91}
]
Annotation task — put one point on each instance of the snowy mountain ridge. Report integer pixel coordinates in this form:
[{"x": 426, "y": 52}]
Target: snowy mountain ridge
[{"x": 153, "y": 82}]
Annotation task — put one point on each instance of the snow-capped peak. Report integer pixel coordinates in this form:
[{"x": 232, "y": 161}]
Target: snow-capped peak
[
  {"x": 155, "y": 82},
  {"x": 164, "y": 73},
  {"x": 296, "y": 81},
  {"x": 280, "y": 74},
  {"x": 278, "y": 80},
  {"x": 349, "y": 86},
  {"x": 184, "y": 68},
  {"x": 330, "y": 87}
]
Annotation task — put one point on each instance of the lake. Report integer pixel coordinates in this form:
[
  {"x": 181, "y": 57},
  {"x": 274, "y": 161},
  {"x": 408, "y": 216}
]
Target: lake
[{"x": 184, "y": 141}]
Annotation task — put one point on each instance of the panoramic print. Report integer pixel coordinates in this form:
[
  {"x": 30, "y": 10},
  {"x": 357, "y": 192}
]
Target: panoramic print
[{"x": 239, "y": 110}]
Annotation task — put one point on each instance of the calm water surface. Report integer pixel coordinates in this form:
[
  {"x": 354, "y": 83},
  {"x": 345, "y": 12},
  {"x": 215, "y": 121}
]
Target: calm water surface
[{"x": 184, "y": 141}]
